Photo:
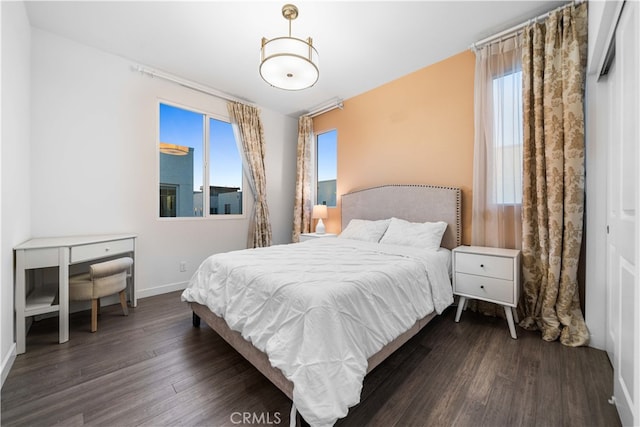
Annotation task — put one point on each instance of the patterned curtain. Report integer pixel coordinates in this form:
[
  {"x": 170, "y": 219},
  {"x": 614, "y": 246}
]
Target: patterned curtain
[
  {"x": 302, "y": 204},
  {"x": 248, "y": 129},
  {"x": 553, "y": 64}
]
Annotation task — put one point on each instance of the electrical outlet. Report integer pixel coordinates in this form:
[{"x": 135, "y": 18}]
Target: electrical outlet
[{"x": 183, "y": 265}]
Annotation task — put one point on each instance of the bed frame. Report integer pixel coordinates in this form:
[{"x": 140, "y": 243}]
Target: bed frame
[{"x": 416, "y": 203}]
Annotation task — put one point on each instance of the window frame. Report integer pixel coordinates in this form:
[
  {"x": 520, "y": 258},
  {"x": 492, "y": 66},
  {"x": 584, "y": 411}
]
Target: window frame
[
  {"x": 207, "y": 215},
  {"x": 315, "y": 166}
]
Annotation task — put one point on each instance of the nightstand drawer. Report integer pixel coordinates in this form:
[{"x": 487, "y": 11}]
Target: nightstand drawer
[
  {"x": 486, "y": 288},
  {"x": 485, "y": 265}
]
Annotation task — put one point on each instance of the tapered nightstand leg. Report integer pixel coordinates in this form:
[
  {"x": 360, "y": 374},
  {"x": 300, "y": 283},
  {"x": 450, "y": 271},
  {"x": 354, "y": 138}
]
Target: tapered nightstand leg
[
  {"x": 461, "y": 303},
  {"x": 512, "y": 328}
]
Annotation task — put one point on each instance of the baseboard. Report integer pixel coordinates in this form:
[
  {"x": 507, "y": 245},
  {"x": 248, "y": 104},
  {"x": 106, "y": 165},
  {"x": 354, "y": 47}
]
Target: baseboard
[
  {"x": 7, "y": 362},
  {"x": 159, "y": 290}
]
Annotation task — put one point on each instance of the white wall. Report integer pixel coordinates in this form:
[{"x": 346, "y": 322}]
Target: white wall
[
  {"x": 94, "y": 161},
  {"x": 14, "y": 165},
  {"x": 601, "y": 29},
  {"x": 281, "y": 134},
  {"x": 79, "y": 156},
  {"x": 596, "y": 214}
]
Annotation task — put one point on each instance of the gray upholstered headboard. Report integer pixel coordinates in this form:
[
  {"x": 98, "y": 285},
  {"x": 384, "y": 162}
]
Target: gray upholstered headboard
[{"x": 415, "y": 203}]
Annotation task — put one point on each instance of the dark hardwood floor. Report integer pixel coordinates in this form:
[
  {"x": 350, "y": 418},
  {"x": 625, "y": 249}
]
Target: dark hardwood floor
[{"x": 153, "y": 368}]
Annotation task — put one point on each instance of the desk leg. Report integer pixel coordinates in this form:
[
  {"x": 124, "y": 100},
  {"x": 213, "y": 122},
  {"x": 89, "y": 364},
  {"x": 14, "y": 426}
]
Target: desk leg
[
  {"x": 20, "y": 301},
  {"x": 63, "y": 294},
  {"x": 132, "y": 284},
  {"x": 132, "y": 291}
]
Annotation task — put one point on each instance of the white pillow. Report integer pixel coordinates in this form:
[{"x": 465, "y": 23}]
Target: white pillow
[
  {"x": 362, "y": 229},
  {"x": 426, "y": 235}
]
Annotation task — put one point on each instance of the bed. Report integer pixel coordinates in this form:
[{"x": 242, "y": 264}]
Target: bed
[{"x": 317, "y": 321}]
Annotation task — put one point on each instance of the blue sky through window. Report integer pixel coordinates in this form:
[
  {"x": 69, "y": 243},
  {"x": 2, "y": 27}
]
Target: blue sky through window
[
  {"x": 186, "y": 128},
  {"x": 326, "y": 167},
  {"x": 225, "y": 163},
  {"x": 327, "y": 152},
  {"x": 507, "y": 138}
]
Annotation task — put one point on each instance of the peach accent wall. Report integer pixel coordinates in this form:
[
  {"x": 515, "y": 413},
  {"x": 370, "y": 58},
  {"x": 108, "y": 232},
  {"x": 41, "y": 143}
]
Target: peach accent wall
[{"x": 417, "y": 129}]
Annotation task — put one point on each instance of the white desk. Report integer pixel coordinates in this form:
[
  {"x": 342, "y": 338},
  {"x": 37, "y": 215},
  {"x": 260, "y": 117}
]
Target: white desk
[{"x": 61, "y": 252}]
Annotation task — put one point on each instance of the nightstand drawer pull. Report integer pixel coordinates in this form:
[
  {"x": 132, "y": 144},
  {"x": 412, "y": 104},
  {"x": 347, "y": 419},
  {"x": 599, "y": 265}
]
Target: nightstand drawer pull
[{"x": 485, "y": 265}]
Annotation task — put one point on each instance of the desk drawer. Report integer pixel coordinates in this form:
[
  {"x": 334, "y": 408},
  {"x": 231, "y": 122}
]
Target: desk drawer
[
  {"x": 485, "y": 265},
  {"x": 485, "y": 288},
  {"x": 100, "y": 250},
  {"x": 38, "y": 258}
]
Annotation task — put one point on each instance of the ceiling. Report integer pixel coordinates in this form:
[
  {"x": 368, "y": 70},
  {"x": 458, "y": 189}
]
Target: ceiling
[{"x": 361, "y": 44}]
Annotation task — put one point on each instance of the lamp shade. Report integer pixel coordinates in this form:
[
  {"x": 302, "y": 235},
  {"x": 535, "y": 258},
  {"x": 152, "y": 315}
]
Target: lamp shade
[
  {"x": 289, "y": 63},
  {"x": 319, "y": 212}
]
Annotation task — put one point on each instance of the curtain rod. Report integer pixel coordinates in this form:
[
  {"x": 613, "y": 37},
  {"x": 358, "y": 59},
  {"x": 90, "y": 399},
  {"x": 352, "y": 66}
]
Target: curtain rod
[
  {"x": 218, "y": 94},
  {"x": 326, "y": 108},
  {"x": 189, "y": 84},
  {"x": 511, "y": 32}
]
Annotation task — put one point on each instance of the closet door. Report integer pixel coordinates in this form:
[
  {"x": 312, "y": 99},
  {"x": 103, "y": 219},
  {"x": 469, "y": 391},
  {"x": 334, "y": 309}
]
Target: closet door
[
  {"x": 612, "y": 139},
  {"x": 622, "y": 239}
]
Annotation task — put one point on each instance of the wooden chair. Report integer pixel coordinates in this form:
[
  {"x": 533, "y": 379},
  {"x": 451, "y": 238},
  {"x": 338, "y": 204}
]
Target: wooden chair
[{"x": 103, "y": 279}]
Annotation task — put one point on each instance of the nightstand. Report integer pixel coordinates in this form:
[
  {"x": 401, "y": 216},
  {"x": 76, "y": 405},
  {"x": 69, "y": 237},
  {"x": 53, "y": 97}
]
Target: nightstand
[
  {"x": 308, "y": 236},
  {"x": 488, "y": 274}
]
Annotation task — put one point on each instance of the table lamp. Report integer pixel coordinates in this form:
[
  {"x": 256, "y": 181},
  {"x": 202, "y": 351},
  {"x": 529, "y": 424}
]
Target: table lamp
[{"x": 319, "y": 212}]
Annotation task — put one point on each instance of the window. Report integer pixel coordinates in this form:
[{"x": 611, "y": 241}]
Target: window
[
  {"x": 326, "y": 168},
  {"x": 168, "y": 198},
  {"x": 225, "y": 170},
  {"x": 507, "y": 138},
  {"x": 198, "y": 177}
]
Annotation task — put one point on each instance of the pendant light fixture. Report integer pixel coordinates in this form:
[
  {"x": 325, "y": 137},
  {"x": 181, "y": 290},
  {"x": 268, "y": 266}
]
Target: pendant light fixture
[
  {"x": 173, "y": 149},
  {"x": 289, "y": 63}
]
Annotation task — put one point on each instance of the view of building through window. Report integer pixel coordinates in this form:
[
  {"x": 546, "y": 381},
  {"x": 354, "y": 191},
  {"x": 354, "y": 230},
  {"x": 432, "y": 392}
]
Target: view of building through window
[
  {"x": 189, "y": 185},
  {"x": 326, "y": 167}
]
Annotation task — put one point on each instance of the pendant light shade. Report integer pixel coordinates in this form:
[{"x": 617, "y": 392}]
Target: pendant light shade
[
  {"x": 289, "y": 63},
  {"x": 173, "y": 149}
]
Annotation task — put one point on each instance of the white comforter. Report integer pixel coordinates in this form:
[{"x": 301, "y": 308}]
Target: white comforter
[{"x": 321, "y": 308}]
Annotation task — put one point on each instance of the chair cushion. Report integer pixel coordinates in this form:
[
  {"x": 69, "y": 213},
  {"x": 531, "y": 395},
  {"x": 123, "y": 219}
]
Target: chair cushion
[
  {"x": 80, "y": 287},
  {"x": 103, "y": 286}
]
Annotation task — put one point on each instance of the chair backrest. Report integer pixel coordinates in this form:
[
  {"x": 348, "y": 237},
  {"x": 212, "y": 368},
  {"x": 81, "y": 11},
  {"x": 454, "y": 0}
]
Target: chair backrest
[{"x": 110, "y": 268}]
